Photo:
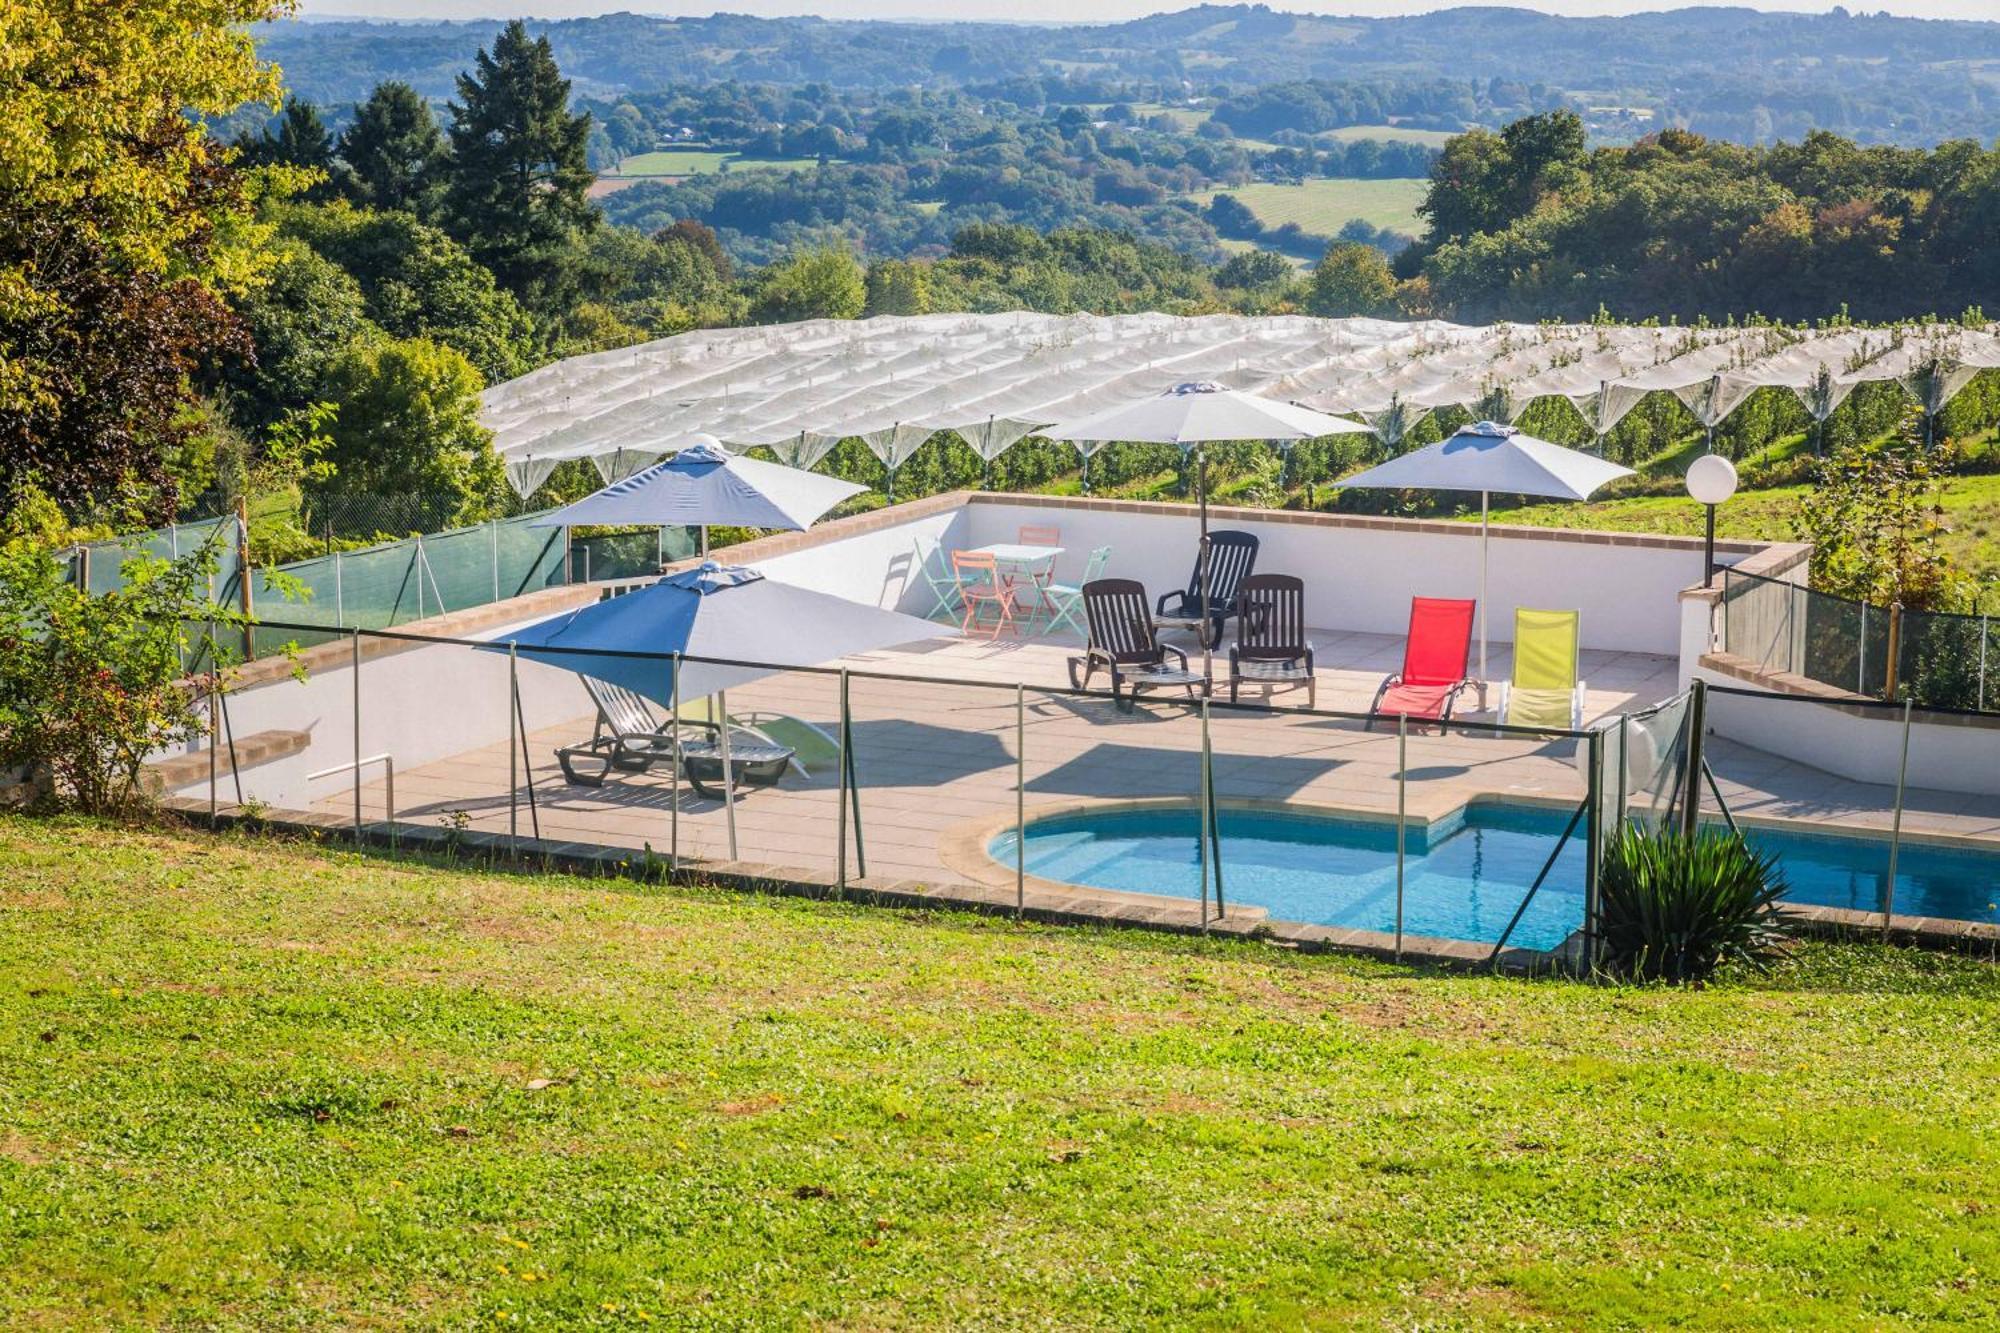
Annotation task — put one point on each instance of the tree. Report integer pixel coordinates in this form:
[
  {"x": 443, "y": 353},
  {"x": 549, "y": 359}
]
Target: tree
[
  {"x": 815, "y": 284},
  {"x": 519, "y": 170},
  {"x": 1877, "y": 527},
  {"x": 1254, "y": 268},
  {"x": 417, "y": 281},
  {"x": 1351, "y": 280},
  {"x": 408, "y": 421},
  {"x": 298, "y": 323},
  {"x": 898, "y": 287},
  {"x": 121, "y": 228},
  {"x": 395, "y": 150}
]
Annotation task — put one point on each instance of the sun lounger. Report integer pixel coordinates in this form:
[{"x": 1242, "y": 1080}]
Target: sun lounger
[{"x": 1435, "y": 658}]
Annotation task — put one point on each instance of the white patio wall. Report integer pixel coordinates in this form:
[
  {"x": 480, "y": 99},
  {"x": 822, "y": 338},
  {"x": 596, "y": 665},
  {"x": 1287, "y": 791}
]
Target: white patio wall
[
  {"x": 1947, "y": 753},
  {"x": 1361, "y": 575}
]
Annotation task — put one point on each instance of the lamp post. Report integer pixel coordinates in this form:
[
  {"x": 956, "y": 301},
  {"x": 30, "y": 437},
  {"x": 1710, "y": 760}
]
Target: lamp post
[{"x": 1711, "y": 479}]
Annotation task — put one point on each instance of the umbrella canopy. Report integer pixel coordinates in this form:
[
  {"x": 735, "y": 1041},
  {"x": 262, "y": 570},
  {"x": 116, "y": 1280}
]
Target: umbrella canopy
[
  {"x": 1197, "y": 413},
  {"x": 1495, "y": 459},
  {"x": 1202, "y": 413},
  {"x": 704, "y": 484},
  {"x": 713, "y": 611},
  {"x": 1488, "y": 457}
]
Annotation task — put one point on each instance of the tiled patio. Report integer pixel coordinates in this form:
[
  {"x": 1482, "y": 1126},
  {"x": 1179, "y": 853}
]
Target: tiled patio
[
  {"x": 936, "y": 759},
  {"x": 935, "y": 729}
]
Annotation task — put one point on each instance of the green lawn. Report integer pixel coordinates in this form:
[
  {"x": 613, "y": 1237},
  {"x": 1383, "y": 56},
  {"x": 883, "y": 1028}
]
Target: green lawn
[
  {"x": 257, "y": 1085},
  {"x": 1326, "y": 204},
  {"x": 1971, "y": 504},
  {"x": 700, "y": 161}
]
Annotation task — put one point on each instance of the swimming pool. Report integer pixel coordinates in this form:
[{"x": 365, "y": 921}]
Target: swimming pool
[{"x": 1464, "y": 876}]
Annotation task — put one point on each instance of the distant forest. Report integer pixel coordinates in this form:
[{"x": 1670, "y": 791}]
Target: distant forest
[{"x": 1725, "y": 73}]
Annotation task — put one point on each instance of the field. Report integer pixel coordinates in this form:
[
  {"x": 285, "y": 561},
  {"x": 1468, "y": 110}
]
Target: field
[
  {"x": 700, "y": 161},
  {"x": 1388, "y": 134},
  {"x": 1324, "y": 205},
  {"x": 253, "y": 1084}
]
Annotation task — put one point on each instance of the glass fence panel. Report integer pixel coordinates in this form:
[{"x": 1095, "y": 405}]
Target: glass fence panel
[
  {"x": 1497, "y": 826},
  {"x": 1112, "y": 803},
  {"x": 1305, "y": 810},
  {"x": 1864, "y": 815},
  {"x": 936, "y": 778}
]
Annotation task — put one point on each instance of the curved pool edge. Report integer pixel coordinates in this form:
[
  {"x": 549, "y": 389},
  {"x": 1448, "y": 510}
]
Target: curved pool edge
[{"x": 963, "y": 849}]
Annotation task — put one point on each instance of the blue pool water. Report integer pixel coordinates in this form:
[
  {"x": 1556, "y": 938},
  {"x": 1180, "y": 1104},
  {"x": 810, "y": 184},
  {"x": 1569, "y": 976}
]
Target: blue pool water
[{"x": 1464, "y": 879}]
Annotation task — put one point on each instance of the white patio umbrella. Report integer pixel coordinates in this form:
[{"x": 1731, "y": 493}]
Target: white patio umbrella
[
  {"x": 1488, "y": 457},
  {"x": 704, "y": 483},
  {"x": 727, "y": 612},
  {"x": 1197, "y": 413}
]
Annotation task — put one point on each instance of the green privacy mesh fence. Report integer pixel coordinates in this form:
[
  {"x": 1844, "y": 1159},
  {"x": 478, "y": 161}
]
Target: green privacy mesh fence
[
  {"x": 100, "y": 566},
  {"x": 384, "y": 586}
]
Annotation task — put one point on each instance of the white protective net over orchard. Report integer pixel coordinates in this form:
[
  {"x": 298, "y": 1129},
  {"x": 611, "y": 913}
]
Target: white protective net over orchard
[{"x": 894, "y": 381}]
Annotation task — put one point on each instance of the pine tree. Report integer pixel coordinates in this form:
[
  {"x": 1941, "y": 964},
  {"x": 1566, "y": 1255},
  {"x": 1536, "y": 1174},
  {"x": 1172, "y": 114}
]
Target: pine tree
[
  {"x": 518, "y": 171},
  {"x": 395, "y": 150}
]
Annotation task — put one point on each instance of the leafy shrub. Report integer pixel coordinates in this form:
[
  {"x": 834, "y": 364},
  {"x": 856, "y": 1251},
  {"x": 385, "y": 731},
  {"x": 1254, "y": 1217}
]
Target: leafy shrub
[
  {"x": 91, "y": 686},
  {"x": 1674, "y": 907}
]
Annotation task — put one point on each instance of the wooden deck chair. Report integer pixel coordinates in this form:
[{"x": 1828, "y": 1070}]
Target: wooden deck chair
[
  {"x": 1435, "y": 657},
  {"x": 1123, "y": 642},
  {"x": 1545, "y": 691},
  {"x": 1271, "y": 645},
  {"x": 1231, "y": 556}
]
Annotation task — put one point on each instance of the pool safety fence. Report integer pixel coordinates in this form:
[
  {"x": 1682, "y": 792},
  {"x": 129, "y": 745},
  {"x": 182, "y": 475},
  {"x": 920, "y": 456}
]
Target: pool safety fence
[
  {"x": 1934, "y": 659},
  {"x": 1880, "y": 779},
  {"x": 856, "y": 773}
]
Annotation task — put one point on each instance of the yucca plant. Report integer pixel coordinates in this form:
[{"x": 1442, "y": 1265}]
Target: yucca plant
[{"x": 1675, "y": 908}]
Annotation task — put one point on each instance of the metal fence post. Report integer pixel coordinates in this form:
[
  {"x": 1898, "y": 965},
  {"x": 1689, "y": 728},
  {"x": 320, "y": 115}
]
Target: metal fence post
[
  {"x": 1896, "y": 825},
  {"x": 1982, "y": 664},
  {"x": 674, "y": 775},
  {"x": 1892, "y": 668},
  {"x": 840, "y": 835},
  {"x": 1593, "y": 842},
  {"x": 493, "y": 546},
  {"x": 214, "y": 729},
  {"x": 339, "y": 594},
  {"x": 417, "y": 572},
  {"x": 357, "y": 734},
  {"x": 1020, "y": 800},
  {"x": 513, "y": 756},
  {"x": 1402, "y": 806},
  {"x": 1861, "y": 655},
  {"x": 1204, "y": 859}
]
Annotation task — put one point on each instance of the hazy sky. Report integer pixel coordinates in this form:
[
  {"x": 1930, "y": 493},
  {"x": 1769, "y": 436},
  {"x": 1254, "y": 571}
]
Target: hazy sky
[{"x": 1072, "y": 10}]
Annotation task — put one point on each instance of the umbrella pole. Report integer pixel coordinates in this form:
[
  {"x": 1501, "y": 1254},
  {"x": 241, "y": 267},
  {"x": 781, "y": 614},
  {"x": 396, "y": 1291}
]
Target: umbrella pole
[
  {"x": 1201, "y": 495},
  {"x": 1483, "y": 529},
  {"x": 704, "y": 541},
  {"x": 728, "y": 770}
]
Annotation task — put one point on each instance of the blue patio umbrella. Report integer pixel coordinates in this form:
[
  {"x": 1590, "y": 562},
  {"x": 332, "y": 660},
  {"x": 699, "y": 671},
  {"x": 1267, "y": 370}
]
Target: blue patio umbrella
[{"x": 715, "y": 611}]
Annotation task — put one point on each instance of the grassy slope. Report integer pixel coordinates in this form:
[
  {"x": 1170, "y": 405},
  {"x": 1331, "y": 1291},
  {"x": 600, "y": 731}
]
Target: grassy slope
[
  {"x": 1971, "y": 503},
  {"x": 1324, "y": 205},
  {"x": 254, "y": 1084}
]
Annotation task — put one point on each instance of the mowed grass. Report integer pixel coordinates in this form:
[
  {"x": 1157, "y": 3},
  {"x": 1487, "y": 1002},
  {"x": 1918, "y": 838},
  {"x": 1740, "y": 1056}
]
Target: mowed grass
[
  {"x": 1326, "y": 204},
  {"x": 698, "y": 162},
  {"x": 1971, "y": 512},
  {"x": 258, "y": 1084}
]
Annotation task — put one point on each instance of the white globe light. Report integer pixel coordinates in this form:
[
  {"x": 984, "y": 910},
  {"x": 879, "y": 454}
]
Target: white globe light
[{"x": 1711, "y": 479}]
